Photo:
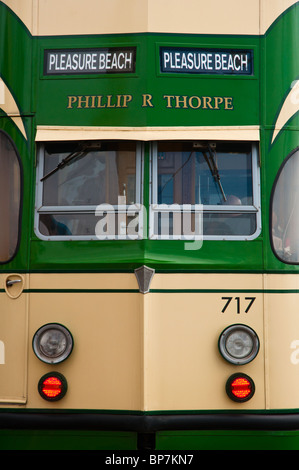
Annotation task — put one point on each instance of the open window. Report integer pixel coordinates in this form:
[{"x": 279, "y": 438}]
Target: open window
[
  {"x": 208, "y": 189},
  {"x": 10, "y": 198},
  {"x": 88, "y": 190}
]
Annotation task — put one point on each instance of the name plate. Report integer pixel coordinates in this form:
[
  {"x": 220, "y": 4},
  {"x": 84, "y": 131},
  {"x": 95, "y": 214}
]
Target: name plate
[
  {"x": 89, "y": 61},
  {"x": 206, "y": 61}
]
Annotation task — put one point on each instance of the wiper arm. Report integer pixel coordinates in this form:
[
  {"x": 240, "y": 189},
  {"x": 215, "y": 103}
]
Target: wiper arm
[
  {"x": 83, "y": 150},
  {"x": 211, "y": 161}
]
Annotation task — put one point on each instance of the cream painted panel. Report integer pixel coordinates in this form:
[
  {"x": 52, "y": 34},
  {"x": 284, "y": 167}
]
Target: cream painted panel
[
  {"x": 50, "y": 133},
  {"x": 104, "y": 369},
  {"x": 202, "y": 17},
  {"x": 281, "y": 281},
  {"x": 13, "y": 342},
  {"x": 183, "y": 368},
  {"x": 92, "y": 16},
  {"x": 283, "y": 349},
  {"x": 207, "y": 281},
  {"x": 154, "y": 351},
  {"x": 44, "y": 17},
  {"x": 83, "y": 281}
]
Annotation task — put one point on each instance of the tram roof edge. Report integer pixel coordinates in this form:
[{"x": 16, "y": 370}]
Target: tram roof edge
[{"x": 74, "y": 17}]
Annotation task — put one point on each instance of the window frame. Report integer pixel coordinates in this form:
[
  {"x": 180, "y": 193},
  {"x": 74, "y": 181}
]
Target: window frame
[
  {"x": 201, "y": 209},
  {"x": 115, "y": 209}
]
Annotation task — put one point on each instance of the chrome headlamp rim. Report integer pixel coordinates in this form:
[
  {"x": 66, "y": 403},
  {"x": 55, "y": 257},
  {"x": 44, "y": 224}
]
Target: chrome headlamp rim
[
  {"x": 227, "y": 332},
  {"x": 38, "y": 350}
]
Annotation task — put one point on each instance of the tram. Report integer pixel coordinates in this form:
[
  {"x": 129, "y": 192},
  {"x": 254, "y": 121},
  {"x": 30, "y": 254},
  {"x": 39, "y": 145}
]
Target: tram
[{"x": 149, "y": 280}]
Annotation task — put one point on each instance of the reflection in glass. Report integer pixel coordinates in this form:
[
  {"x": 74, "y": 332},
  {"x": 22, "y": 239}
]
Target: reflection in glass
[
  {"x": 217, "y": 176},
  {"x": 10, "y": 197},
  {"x": 229, "y": 224},
  {"x": 203, "y": 175},
  {"x": 95, "y": 177},
  {"x": 77, "y": 178},
  {"x": 285, "y": 212},
  {"x": 88, "y": 225}
]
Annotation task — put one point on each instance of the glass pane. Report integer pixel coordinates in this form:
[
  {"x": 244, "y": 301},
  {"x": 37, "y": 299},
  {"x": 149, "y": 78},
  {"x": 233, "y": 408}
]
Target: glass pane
[
  {"x": 10, "y": 195},
  {"x": 285, "y": 212},
  {"x": 108, "y": 225},
  {"x": 190, "y": 224},
  {"x": 205, "y": 174},
  {"x": 94, "y": 175},
  {"x": 177, "y": 225},
  {"x": 229, "y": 224}
]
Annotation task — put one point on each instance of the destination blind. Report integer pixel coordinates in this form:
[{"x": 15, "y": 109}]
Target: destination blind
[
  {"x": 206, "y": 61},
  {"x": 89, "y": 61}
]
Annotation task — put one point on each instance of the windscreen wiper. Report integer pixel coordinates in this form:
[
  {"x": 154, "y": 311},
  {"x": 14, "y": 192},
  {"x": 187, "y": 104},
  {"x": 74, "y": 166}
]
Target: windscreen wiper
[
  {"x": 210, "y": 158},
  {"x": 83, "y": 149}
]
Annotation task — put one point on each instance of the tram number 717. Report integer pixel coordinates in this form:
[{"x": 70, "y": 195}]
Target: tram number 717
[{"x": 240, "y": 306}]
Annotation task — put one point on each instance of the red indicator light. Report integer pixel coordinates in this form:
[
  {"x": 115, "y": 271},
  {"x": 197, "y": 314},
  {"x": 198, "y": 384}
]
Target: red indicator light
[
  {"x": 240, "y": 387},
  {"x": 52, "y": 387}
]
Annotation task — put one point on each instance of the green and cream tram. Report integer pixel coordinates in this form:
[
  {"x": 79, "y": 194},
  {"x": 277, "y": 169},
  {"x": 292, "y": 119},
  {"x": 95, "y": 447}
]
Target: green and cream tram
[{"x": 149, "y": 242}]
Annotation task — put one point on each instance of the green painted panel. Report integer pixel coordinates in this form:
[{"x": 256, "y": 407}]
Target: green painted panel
[
  {"x": 16, "y": 58},
  {"x": 256, "y": 100},
  {"x": 66, "y": 440},
  {"x": 162, "y": 255},
  {"x": 227, "y": 440},
  {"x": 281, "y": 67},
  {"x": 155, "y": 98}
]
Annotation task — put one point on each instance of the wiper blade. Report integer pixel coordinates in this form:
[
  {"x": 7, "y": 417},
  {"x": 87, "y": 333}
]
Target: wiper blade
[
  {"x": 212, "y": 164},
  {"x": 83, "y": 149}
]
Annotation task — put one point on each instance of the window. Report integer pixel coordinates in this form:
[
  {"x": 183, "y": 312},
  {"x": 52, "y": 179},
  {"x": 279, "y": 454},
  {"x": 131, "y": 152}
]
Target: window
[
  {"x": 93, "y": 190},
  {"x": 88, "y": 190},
  {"x": 10, "y": 198},
  {"x": 203, "y": 188},
  {"x": 284, "y": 220}
]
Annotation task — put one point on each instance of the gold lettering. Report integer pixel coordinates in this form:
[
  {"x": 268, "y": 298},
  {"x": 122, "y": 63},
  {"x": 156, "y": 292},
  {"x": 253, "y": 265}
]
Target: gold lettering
[
  {"x": 147, "y": 101},
  {"x": 218, "y": 101},
  {"x": 168, "y": 98},
  {"x": 99, "y": 104},
  {"x": 172, "y": 101},
  {"x": 93, "y": 99},
  {"x": 109, "y": 105},
  {"x": 83, "y": 100},
  {"x": 207, "y": 102},
  {"x": 228, "y": 102},
  {"x": 118, "y": 103},
  {"x": 197, "y": 102},
  {"x": 126, "y": 100},
  {"x": 179, "y": 100},
  {"x": 71, "y": 100}
]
